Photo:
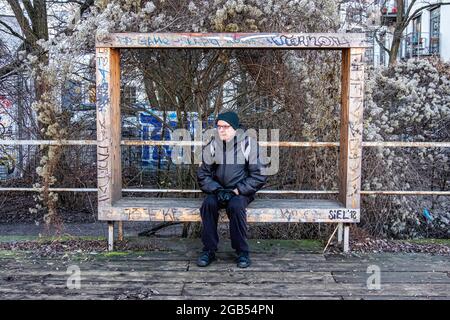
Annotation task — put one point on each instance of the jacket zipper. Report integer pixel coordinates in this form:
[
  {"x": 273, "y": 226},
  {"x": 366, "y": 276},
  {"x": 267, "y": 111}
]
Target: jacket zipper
[{"x": 224, "y": 156}]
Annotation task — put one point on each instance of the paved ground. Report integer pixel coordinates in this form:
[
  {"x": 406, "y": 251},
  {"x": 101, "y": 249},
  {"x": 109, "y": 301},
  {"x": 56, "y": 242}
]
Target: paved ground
[
  {"x": 94, "y": 229},
  {"x": 278, "y": 272}
]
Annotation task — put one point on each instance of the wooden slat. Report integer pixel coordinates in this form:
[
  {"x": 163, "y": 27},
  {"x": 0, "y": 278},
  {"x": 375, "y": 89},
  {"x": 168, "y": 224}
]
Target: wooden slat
[
  {"x": 108, "y": 128},
  {"x": 260, "y": 210},
  {"x": 414, "y": 259},
  {"x": 394, "y": 277},
  {"x": 75, "y": 296},
  {"x": 196, "y": 203},
  {"x": 323, "y": 289},
  {"x": 91, "y": 288},
  {"x": 105, "y": 266},
  {"x": 116, "y": 278},
  {"x": 260, "y": 264},
  {"x": 233, "y": 40}
]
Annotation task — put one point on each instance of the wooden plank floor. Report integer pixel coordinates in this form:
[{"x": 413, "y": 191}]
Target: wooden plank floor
[{"x": 174, "y": 275}]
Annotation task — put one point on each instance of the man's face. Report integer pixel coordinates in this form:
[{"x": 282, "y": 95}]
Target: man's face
[{"x": 226, "y": 132}]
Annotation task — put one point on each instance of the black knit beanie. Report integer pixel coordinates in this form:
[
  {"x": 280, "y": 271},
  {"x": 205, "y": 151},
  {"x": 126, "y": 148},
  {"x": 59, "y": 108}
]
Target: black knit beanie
[{"x": 230, "y": 117}]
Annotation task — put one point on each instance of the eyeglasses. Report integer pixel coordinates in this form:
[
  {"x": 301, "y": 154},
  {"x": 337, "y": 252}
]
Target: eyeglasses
[{"x": 222, "y": 127}]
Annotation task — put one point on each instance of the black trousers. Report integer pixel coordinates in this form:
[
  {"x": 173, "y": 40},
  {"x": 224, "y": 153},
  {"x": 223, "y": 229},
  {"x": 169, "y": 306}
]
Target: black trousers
[{"x": 237, "y": 215}]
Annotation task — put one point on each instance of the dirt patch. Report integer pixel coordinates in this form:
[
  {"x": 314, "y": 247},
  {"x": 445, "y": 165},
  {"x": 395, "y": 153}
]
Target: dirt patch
[
  {"x": 362, "y": 242},
  {"x": 57, "y": 248},
  {"x": 370, "y": 245},
  {"x": 15, "y": 209}
]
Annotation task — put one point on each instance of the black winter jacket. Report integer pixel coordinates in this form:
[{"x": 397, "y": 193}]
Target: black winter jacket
[{"x": 225, "y": 165}]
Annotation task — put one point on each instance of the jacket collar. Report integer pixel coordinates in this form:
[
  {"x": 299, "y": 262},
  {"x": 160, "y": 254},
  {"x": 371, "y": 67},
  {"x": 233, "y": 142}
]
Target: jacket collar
[{"x": 239, "y": 136}]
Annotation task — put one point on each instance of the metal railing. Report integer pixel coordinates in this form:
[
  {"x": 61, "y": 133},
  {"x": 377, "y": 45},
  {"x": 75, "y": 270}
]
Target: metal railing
[{"x": 400, "y": 144}]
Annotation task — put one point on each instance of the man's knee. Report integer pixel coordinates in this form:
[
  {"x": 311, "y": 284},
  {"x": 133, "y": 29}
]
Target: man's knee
[
  {"x": 210, "y": 202},
  {"x": 237, "y": 204}
]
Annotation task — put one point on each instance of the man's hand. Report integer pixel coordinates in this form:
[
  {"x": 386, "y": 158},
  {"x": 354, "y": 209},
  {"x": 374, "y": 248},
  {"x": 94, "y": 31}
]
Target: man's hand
[
  {"x": 225, "y": 195},
  {"x": 236, "y": 191}
]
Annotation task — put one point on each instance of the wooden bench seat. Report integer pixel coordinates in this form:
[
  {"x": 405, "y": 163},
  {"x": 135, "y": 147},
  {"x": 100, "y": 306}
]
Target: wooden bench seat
[{"x": 260, "y": 210}]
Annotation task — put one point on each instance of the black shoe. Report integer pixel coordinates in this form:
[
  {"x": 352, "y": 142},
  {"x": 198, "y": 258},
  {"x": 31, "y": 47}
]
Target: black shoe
[
  {"x": 243, "y": 261},
  {"x": 206, "y": 258}
]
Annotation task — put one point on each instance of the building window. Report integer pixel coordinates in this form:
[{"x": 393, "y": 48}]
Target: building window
[
  {"x": 369, "y": 52},
  {"x": 417, "y": 26},
  {"x": 382, "y": 51},
  {"x": 435, "y": 20},
  {"x": 414, "y": 41}
]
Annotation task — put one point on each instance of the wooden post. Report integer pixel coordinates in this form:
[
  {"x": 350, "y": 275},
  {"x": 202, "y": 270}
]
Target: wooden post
[
  {"x": 346, "y": 238},
  {"x": 120, "y": 231},
  {"x": 340, "y": 231},
  {"x": 109, "y": 171},
  {"x": 350, "y": 149},
  {"x": 110, "y": 235}
]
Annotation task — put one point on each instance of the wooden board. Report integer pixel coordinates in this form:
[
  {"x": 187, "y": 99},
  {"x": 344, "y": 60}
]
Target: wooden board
[
  {"x": 109, "y": 179},
  {"x": 272, "y": 276},
  {"x": 350, "y": 145},
  {"x": 169, "y": 277},
  {"x": 260, "y": 210},
  {"x": 233, "y": 40},
  {"x": 394, "y": 277},
  {"x": 322, "y": 289}
]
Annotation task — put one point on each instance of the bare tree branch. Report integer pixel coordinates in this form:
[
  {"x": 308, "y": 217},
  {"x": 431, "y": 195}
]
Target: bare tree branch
[
  {"x": 413, "y": 15},
  {"x": 379, "y": 41},
  {"x": 11, "y": 30},
  {"x": 23, "y": 22}
]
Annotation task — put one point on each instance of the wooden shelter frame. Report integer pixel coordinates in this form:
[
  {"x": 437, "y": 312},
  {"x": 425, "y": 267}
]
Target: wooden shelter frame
[{"x": 113, "y": 207}]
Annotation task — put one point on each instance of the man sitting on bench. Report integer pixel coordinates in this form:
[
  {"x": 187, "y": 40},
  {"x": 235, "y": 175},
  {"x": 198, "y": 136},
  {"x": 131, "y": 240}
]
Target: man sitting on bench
[{"x": 230, "y": 174}]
